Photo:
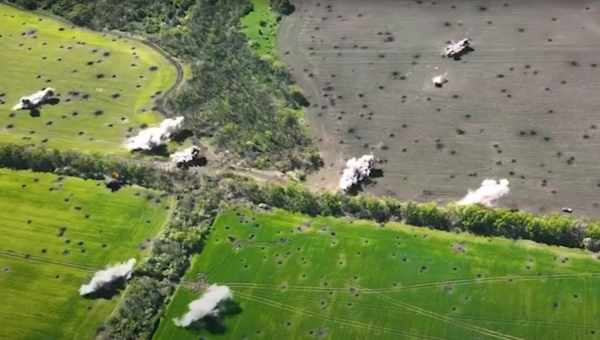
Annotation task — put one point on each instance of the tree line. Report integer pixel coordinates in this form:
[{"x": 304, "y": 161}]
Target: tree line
[{"x": 477, "y": 219}]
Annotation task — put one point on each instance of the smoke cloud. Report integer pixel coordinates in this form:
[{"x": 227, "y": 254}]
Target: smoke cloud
[
  {"x": 205, "y": 305},
  {"x": 108, "y": 275},
  {"x": 186, "y": 155},
  {"x": 153, "y": 137},
  {"x": 356, "y": 170},
  {"x": 488, "y": 194}
]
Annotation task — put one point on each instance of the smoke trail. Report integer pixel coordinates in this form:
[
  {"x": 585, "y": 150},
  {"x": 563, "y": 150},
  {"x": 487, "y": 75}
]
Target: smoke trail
[
  {"x": 205, "y": 305},
  {"x": 108, "y": 275},
  {"x": 150, "y": 138},
  {"x": 356, "y": 170},
  {"x": 488, "y": 193}
]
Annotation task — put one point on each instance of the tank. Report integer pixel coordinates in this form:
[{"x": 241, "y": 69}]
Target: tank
[
  {"x": 34, "y": 100},
  {"x": 455, "y": 49}
]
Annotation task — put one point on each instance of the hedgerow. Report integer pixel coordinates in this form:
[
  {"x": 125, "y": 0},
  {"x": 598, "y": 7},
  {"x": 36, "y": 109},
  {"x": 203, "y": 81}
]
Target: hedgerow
[{"x": 477, "y": 219}]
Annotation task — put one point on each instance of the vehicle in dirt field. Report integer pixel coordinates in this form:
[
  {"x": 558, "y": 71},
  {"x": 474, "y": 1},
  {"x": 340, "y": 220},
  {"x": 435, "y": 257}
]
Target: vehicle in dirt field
[{"x": 455, "y": 49}]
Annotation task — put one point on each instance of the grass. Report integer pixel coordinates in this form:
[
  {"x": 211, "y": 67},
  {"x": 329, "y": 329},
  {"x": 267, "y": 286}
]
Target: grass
[
  {"x": 260, "y": 26},
  {"x": 300, "y": 277},
  {"x": 41, "y": 271},
  {"x": 119, "y": 76}
]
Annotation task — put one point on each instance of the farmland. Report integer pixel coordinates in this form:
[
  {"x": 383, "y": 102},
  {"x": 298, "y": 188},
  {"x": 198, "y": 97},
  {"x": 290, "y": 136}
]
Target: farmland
[
  {"x": 521, "y": 106},
  {"x": 107, "y": 84},
  {"x": 300, "y": 277},
  {"x": 57, "y": 231}
]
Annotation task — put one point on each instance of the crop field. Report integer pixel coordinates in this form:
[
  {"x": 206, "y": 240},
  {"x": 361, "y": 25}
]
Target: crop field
[
  {"x": 107, "y": 84},
  {"x": 523, "y": 105},
  {"x": 300, "y": 277},
  {"x": 56, "y": 232}
]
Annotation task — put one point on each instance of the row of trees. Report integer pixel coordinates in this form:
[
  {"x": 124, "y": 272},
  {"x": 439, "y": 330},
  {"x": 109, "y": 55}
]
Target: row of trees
[
  {"x": 87, "y": 166},
  {"x": 155, "y": 280},
  {"x": 552, "y": 229},
  {"x": 477, "y": 219}
]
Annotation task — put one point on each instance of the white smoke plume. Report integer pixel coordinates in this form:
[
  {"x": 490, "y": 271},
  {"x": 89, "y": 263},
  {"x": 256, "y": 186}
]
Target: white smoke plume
[
  {"x": 186, "y": 155},
  {"x": 205, "y": 305},
  {"x": 153, "y": 137},
  {"x": 488, "y": 194},
  {"x": 356, "y": 170},
  {"x": 108, "y": 275}
]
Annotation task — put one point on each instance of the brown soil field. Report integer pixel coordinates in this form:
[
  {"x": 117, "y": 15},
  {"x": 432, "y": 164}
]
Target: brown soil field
[{"x": 524, "y": 105}]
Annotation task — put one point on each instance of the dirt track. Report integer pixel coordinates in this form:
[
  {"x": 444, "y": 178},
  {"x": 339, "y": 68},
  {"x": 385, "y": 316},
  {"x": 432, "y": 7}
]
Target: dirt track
[{"x": 524, "y": 105}]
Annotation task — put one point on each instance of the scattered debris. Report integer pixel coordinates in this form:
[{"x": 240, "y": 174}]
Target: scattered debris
[
  {"x": 440, "y": 80},
  {"x": 107, "y": 276},
  {"x": 151, "y": 138},
  {"x": 356, "y": 171},
  {"x": 455, "y": 49},
  {"x": 34, "y": 100}
]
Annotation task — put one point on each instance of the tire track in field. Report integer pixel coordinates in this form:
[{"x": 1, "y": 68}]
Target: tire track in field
[
  {"x": 342, "y": 321},
  {"x": 415, "y": 309},
  {"x": 541, "y": 323},
  {"x": 38, "y": 259},
  {"x": 449, "y": 320},
  {"x": 412, "y": 308},
  {"x": 460, "y": 282}
]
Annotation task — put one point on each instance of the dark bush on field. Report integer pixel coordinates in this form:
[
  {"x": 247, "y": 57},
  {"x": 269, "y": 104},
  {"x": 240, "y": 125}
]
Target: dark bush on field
[
  {"x": 284, "y": 7},
  {"x": 476, "y": 219}
]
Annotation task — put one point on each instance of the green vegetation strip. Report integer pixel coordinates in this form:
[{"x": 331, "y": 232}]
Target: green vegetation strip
[
  {"x": 56, "y": 232},
  {"x": 260, "y": 26},
  {"x": 300, "y": 277},
  {"x": 106, "y": 84}
]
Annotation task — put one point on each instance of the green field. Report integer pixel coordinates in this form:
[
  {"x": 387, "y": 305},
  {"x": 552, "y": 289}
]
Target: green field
[
  {"x": 41, "y": 270},
  {"x": 297, "y": 277},
  {"x": 260, "y": 26},
  {"x": 106, "y": 83}
]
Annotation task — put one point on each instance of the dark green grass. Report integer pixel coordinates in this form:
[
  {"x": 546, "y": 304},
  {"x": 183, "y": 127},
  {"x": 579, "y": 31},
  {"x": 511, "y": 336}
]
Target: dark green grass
[
  {"x": 41, "y": 271},
  {"x": 297, "y": 277},
  {"x": 106, "y": 84}
]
